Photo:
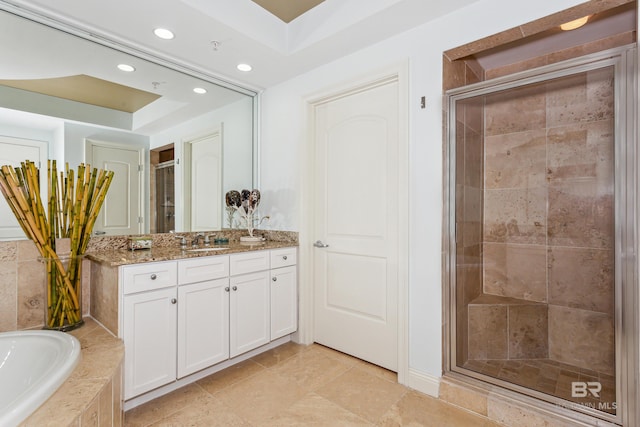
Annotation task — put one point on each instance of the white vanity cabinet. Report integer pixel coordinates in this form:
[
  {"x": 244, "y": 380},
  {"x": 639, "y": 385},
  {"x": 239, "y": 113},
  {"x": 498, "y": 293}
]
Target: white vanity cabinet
[
  {"x": 203, "y": 313},
  {"x": 149, "y": 333},
  {"x": 249, "y": 301},
  {"x": 182, "y": 317},
  {"x": 283, "y": 292}
]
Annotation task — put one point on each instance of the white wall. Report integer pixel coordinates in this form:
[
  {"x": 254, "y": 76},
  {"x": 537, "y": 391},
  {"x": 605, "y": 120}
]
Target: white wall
[{"x": 283, "y": 133}]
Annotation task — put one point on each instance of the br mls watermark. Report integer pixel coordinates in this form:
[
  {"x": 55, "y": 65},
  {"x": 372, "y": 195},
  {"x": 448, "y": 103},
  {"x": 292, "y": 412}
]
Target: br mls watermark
[
  {"x": 583, "y": 389},
  {"x": 590, "y": 389}
]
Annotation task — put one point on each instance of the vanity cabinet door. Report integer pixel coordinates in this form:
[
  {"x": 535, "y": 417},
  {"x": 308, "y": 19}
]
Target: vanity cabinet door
[
  {"x": 284, "y": 302},
  {"x": 249, "y": 312},
  {"x": 203, "y": 325},
  {"x": 150, "y": 340}
]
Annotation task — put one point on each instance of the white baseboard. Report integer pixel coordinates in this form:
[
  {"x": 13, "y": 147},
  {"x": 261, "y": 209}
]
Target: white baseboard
[{"x": 424, "y": 383}]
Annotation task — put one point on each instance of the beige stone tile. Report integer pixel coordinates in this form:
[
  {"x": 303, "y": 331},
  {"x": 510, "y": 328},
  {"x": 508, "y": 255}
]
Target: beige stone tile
[
  {"x": 27, "y": 250},
  {"x": 366, "y": 395},
  {"x": 488, "y": 337},
  {"x": 516, "y": 160},
  {"x": 510, "y": 415},
  {"x": 91, "y": 416},
  {"x": 9, "y": 251},
  {"x": 581, "y": 215},
  {"x": 208, "y": 411},
  {"x": 582, "y": 151},
  {"x": 261, "y": 396},
  {"x": 316, "y": 411},
  {"x": 276, "y": 355},
  {"x": 31, "y": 294},
  {"x": 453, "y": 73},
  {"x": 333, "y": 354},
  {"x": 229, "y": 376},
  {"x": 8, "y": 296},
  {"x": 516, "y": 215},
  {"x": 165, "y": 406},
  {"x": 584, "y": 97},
  {"x": 515, "y": 271},
  {"x": 582, "y": 338},
  {"x": 311, "y": 369},
  {"x": 62, "y": 408},
  {"x": 515, "y": 110},
  {"x": 106, "y": 405},
  {"x": 582, "y": 278},
  {"x": 528, "y": 332},
  {"x": 415, "y": 409},
  {"x": 473, "y": 148},
  {"x": 464, "y": 397}
]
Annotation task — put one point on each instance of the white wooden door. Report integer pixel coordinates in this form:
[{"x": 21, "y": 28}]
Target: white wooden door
[
  {"x": 249, "y": 312},
  {"x": 206, "y": 183},
  {"x": 203, "y": 325},
  {"x": 122, "y": 209},
  {"x": 357, "y": 212},
  {"x": 284, "y": 301},
  {"x": 150, "y": 339},
  {"x": 13, "y": 151}
]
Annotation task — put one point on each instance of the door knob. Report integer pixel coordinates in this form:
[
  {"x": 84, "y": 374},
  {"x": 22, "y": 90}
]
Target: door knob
[
  {"x": 319, "y": 244},
  {"x": 173, "y": 300},
  {"x": 235, "y": 288},
  {"x": 275, "y": 279}
]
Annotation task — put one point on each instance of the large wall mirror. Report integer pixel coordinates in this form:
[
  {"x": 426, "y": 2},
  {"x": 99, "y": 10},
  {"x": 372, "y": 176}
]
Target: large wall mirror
[{"x": 177, "y": 139}]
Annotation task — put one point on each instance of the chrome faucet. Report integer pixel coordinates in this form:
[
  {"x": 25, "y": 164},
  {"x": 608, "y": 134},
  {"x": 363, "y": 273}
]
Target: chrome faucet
[
  {"x": 183, "y": 241},
  {"x": 197, "y": 237}
]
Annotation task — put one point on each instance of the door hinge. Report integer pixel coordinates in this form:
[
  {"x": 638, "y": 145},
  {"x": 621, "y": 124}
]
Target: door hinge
[
  {"x": 140, "y": 168},
  {"x": 140, "y": 220}
]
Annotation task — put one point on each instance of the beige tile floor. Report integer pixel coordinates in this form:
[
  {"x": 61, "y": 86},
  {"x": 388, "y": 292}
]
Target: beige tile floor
[{"x": 294, "y": 385}]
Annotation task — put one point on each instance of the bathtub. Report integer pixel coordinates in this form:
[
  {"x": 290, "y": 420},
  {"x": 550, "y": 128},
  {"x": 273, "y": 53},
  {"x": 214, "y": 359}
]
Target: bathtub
[{"x": 33, "y": 364}]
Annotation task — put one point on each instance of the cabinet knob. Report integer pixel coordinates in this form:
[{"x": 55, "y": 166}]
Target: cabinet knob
[
  {"x": 173, "y": 300},
  {"x": 153, "y": 276},
  {"x": 235, "y": 288},
  {"x": 275, "y": 279},
  {"x": 284, "y": 257},
  {"x": 226, "y": 289}
]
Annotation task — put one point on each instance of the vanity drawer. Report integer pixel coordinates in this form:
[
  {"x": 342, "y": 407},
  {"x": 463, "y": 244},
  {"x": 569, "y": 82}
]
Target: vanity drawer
[
  {"x": 201, "y": 269},
  {"x": 145, "y": 277},
  {"x": 283, "y": 257},
  {"x": 249, "y": 262}
]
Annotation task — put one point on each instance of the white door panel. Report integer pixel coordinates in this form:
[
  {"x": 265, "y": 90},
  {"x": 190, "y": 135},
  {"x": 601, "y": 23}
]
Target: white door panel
[
  {"x": 356, "y": 188},
  {"x": 13, "y": 151},
  {"x": 206, "y": 182},
  {"x": 122, "y": 205}
]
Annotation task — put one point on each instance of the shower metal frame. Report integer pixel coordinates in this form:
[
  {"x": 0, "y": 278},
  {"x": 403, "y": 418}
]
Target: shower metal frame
[{"x": 624, "y": 60}]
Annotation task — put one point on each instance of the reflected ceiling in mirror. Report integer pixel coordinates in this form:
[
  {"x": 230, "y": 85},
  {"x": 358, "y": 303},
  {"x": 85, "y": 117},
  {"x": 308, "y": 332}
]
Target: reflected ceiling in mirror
[{"x": 44, "y": 61}]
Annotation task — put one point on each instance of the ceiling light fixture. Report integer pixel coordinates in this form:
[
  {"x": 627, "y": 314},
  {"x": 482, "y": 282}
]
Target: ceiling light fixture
[
  {"x": 199, "y": 90},
  {"x": 163, "y": 33},
  {"x": 244, "y": 67},
  {"x": 126, "y": 67},
  {"x": 576, "y": 23}
]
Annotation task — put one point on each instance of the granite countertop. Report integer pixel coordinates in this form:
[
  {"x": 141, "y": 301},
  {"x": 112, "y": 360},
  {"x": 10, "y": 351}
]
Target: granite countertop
[{"x": 115, "y": 258}]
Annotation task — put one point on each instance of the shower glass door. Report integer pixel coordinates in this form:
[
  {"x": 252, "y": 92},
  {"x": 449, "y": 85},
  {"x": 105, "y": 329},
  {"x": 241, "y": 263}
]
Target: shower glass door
[{"x": 536, "y": 208}]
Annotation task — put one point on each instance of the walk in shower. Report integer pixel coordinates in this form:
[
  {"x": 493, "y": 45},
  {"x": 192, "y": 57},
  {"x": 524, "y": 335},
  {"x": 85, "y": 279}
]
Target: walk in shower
[{"x": 539, "y": 201}]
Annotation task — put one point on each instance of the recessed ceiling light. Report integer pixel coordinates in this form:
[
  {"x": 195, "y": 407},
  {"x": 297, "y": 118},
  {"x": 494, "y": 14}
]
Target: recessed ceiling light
[
  {"x": 126, "y": 67},
  {"x": 576, "y": 23},
  {"x": 244, "y": 67},
  {"x": 163, "y": 33},
  {"x": 199, "y": 90}
]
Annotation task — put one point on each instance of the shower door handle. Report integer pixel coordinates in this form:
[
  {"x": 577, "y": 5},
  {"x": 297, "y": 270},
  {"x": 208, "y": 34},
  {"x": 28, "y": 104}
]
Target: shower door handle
[{"x": 319, "y": 244}]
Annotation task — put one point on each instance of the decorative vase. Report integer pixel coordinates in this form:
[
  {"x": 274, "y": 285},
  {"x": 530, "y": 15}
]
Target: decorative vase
[{"x": 63, "y": 308}]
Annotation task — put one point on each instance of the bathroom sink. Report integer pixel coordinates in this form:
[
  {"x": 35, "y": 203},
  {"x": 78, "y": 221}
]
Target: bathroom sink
[{"x": 207, "y": 249}]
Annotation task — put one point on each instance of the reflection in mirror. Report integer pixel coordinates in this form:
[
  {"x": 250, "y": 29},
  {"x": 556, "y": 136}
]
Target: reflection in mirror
[{"x": 176, "y": 151}]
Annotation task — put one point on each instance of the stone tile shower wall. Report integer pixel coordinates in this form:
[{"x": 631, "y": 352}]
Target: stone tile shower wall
[{"x": 548, "y": 226}]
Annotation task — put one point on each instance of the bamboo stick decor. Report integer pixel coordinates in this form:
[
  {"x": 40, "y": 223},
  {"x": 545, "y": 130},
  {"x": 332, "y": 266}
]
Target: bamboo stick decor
[{"x": 72, "y": 209}]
